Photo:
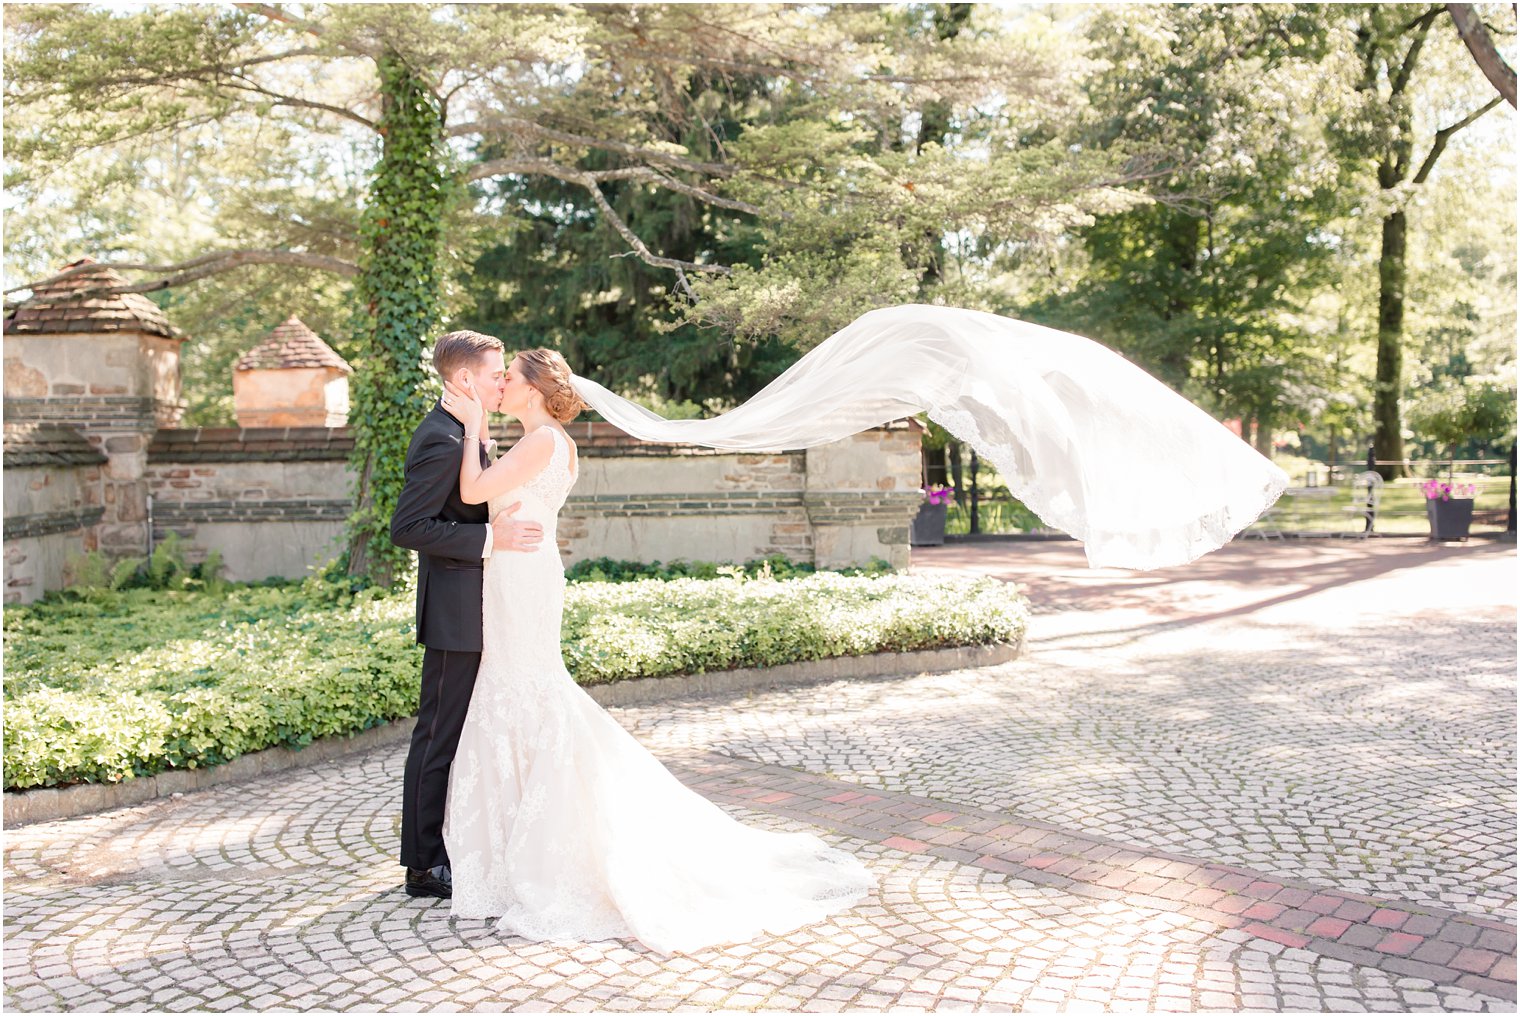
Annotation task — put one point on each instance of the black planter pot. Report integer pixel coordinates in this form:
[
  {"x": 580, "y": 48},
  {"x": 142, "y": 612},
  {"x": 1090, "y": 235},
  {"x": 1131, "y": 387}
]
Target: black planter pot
[
  {"x": 929, "y": 525},
  {"x": 1449, "y": 520}
]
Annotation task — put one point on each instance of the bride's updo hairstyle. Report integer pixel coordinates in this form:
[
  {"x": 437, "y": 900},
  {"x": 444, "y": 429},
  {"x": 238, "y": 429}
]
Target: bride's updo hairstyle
[{"x": 547, "y": 371}]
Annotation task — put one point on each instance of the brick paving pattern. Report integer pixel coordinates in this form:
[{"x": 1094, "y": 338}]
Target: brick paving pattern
[
  {"x": 1274, "y": 794},
  {"x": 1280, "y": 761}
]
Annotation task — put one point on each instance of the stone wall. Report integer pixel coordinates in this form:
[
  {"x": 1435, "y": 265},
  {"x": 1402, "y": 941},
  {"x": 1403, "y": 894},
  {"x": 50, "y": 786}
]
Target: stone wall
[
  {"x": 52, "y": 504},
  {"x": 835, "y": 505},
  {"x": 91, "y": 367},
  {"x": 272, "y": 501}
]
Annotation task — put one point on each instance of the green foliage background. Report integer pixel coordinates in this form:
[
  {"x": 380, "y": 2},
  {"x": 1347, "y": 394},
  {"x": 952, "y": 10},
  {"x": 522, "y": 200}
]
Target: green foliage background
[{"x": 1200, "y": 186}]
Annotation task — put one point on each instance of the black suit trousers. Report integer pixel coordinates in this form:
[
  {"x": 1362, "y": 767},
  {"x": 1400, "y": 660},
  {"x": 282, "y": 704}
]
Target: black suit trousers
[{"x": 448, "y": 679}]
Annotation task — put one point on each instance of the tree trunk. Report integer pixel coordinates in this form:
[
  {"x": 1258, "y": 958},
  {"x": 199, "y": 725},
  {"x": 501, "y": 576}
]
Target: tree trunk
[
  {"x": 1388, "y": 423},
  {"x": 1487, "y": 56},
  {"x": 957, "y": 474},
  {"x": 1509, "y": 526},
  {"x": 934, "y": 125},
  {"x": 1264, "y": 435},
  {"x": 397, "y": 292}
]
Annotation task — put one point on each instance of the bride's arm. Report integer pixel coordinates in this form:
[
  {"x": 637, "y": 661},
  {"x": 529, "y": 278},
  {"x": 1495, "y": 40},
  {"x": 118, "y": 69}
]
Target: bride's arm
[{"x": 526, "y": 459}]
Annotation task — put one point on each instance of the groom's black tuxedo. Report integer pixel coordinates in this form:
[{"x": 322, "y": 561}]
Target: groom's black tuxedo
[{"x": 449, "y": 537}]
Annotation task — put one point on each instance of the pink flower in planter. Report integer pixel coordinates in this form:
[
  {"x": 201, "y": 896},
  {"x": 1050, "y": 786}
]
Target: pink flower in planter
[
  {"x": 1436, "y": 490},
  {"x": 937, "y": 493}
]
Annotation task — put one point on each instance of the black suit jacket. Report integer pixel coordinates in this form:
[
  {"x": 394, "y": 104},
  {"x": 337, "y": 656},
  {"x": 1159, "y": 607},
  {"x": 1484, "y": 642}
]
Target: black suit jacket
[{"x": 447, "y": 534}]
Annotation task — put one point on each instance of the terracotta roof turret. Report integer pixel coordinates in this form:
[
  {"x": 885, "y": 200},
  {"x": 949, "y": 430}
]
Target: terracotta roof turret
[
  {"x": 57, "y": 307},
  {"x": 292, "y": 344}
]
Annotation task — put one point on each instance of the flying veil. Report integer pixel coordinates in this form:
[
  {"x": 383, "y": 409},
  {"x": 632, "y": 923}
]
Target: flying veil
[{"x": 1091, "y": 443}]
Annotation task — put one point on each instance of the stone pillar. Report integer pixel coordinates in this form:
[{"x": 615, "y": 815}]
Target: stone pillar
[
  {"x": 861, "y": 495},
  {"x": 291, "y": 379},
  {"x": 107, "y": 366}
]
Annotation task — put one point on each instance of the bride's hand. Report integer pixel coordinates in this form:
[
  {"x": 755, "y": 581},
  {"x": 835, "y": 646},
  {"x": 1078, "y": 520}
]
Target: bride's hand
[{"x": 465, "y": 406}]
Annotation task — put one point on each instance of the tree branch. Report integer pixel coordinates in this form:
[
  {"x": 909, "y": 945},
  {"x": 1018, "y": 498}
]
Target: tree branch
[
  {"x": 1490, "y": 61},
  {"x": 1411, "y": 25},
  {"x": 192, "y": 270},
  {"x": 1422, "y": 28},
  {"x": 643, "y": 252},
  {"x": 280, "y": 99},
  {"x": 527, "y": 128},
  {"x": 274, "y": 13},
  {"x": 544, "y": 167},
  {"x": 681, "y": 187},
  {"x": 197, "y": 74},
  {"x": 1444, "y": 135}
]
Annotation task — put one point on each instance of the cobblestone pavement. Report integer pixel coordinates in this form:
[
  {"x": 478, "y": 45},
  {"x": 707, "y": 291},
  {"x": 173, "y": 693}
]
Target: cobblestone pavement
[{"x": 1282, "y": 779}]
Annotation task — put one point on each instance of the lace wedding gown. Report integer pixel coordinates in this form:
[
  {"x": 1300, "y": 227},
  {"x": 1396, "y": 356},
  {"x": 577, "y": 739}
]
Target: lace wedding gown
[{"x": 562, "y": 827}]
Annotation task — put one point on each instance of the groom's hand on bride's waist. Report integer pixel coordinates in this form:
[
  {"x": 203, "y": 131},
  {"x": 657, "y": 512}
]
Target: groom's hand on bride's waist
[{"x": 508, "y": 533}]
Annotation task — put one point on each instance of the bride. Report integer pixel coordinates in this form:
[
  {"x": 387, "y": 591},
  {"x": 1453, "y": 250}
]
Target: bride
[{"x": 560, "y": 825}]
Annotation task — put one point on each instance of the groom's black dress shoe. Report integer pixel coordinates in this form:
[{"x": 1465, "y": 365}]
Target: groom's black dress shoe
[{"x": 437, "y": 882}]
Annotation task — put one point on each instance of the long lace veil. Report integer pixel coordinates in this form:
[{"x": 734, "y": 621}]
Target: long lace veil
[{"x": 1091, "y": 443}]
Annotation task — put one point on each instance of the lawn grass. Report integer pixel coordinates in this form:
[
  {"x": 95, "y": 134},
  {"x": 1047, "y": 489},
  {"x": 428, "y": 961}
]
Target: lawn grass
[{"x": 1401, "y": 510}]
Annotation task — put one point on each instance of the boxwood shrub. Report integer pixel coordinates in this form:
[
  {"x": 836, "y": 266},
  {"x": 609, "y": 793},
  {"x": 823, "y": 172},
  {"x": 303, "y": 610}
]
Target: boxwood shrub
[{"x": 103, "y": 685}]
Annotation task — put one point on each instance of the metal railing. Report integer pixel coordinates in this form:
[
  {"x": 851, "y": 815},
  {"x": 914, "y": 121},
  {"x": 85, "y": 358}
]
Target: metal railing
[{"x": 994, "y": 510}]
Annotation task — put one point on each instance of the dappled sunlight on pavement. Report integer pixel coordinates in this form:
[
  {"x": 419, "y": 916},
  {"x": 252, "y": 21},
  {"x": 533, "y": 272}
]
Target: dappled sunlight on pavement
[
  {"x": 1280, "y": 778},
  {"x": 1247, "y": 578}
]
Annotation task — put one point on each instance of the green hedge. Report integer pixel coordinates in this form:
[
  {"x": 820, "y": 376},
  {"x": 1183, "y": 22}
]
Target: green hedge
[
  {"x": 102, "y": 686},
  {"x": 651, "y": 628},
  {"x": 777, "y": 566}
]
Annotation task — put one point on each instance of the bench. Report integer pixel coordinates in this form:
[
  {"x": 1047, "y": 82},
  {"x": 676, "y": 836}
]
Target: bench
[{"x": 1300, "y": 506}]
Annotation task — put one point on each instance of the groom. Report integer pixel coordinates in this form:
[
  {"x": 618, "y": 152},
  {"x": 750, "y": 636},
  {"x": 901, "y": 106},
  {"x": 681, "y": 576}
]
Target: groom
[{"x": 452, "y": 540}]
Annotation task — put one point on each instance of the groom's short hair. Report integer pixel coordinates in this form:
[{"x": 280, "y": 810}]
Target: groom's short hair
[{"x": 462, "y": 349}]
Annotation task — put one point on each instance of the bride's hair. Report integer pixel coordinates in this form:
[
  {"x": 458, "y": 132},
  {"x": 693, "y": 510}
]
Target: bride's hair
[{"x": 547, "y": 371}]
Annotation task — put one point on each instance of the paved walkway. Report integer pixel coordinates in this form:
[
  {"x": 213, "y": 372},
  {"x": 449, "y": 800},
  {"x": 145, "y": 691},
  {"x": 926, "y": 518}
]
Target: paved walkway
[{"x": 1280, "y": 778}]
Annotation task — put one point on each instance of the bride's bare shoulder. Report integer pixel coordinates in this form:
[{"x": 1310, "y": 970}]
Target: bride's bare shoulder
[{"x": 535, "y": 446}]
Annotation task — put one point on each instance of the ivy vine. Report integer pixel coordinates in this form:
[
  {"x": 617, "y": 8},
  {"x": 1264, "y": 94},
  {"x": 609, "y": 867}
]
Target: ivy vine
[{"x": 397, "y": 296}]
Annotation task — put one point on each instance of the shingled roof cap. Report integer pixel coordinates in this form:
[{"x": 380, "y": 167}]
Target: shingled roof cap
[
  {"x": 57, "y": 307},
  {"x": 292, "y": 344}
]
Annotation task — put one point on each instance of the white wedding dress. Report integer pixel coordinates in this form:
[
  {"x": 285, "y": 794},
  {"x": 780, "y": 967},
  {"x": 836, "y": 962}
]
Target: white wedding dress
[{"x": 562, "y": 827}]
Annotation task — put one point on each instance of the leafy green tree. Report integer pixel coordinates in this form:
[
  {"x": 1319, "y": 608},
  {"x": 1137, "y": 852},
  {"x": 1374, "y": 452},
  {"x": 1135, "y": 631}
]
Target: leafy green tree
[
  {"x": 1466, "y": 416},
  {"x": 581, "y": 95},
  {"x": 1252, "y": 281},
  {"x": 1209, "y": 284},
  {"x": 947, "y": 155},
  {"x": 559, "y": 277},
  {"x": 1392, "y": 133}
]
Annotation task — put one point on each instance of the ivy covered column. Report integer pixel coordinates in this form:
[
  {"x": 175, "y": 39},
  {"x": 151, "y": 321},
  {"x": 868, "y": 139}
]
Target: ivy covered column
[{"x": 398, "y": 301}]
